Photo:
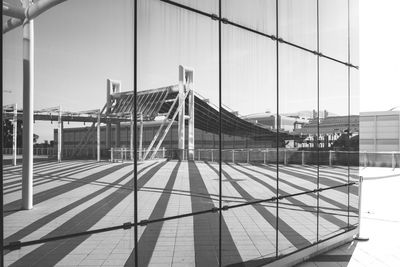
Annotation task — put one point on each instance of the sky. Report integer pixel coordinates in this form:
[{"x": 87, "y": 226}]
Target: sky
[{"x": 77, "y": 47}]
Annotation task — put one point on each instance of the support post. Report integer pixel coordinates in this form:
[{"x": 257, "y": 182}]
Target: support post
[
  {"x": 15, "y": 126},
  {"x": 393, "y": 161},
  {"x": 98, "y": 137},
  {"x": 248, "y": 155},
  {"x": 28, "y": 88},
  {"x": 59, "y": 144},
  {"x": 112, "y": 155},
  {"x": 265, "y": 157},
  {"x": 118, "y": 134},
  {"x": 330, "y": 158},
  {"x": 284, "y": 157},
  {"x": 141, "y": 138},
  {"x": 191, "y": 124},
  {"x": 181, "y": 115},
  {"x": 302, "y": 158},
  {"x": 131, "y": 138},
  {"x": 212, "y": 155},
  {"x": 233, "y": 156}
]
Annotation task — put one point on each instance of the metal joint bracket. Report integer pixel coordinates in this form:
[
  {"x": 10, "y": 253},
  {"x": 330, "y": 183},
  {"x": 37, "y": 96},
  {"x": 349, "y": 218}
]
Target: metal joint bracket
[
  {"x": 14, "y": 245},
  {"x": 226, "y": 207},
  {"x": 143, "y": 222},
  {"x": 127, "y": 226},
  {"x": 214, "y": 17},
  {"x": 273, "y": 37},
  {"x": 280, "y": 40},
  {"x": 215, "y": 209},
  {"x": 225, "y": 20}
]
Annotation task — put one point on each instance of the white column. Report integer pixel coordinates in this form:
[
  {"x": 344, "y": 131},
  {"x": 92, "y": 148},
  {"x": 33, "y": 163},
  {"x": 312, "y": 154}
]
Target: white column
[
  {"x": 15, "y": 126},
  {"x": 28, "y": 88},
  {"x": 131, "y": 138},
  {"x": 59, "y": 144},
  {"x": 141, "y": 138},
  {"x": 191, "y": 124},
  {"x": 181, "y": 115},
  {"x": 98, "y": 136}
]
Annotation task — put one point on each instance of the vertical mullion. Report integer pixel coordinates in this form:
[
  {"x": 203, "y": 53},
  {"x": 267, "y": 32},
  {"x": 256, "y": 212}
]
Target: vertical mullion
[
  {"x": 277, "y": 129},
  {"x": 135, "y": 193},
  {"x": 348, "y": 113},
  {"x": 318, "y": 82},
  {"x": 220, "y": 135}
]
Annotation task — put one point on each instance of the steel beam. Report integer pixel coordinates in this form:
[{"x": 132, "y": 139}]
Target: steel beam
[
  {"x": 13, "y": 11},
  {"x": 33, "y": 11},
  {"x": 28, "y": 88}
]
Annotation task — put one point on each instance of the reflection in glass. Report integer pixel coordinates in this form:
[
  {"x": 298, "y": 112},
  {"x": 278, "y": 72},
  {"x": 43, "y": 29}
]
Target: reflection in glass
[
  {"x": 248, "y": 143},
  {"x": 298, "y": 161},
  {"x": 257, "y": 15},
  {"x": 298, "y": 22},
  {"x": 333, "y": 26}
]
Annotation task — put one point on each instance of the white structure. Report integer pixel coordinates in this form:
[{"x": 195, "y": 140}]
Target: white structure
[{"x": 380, "y": 131}]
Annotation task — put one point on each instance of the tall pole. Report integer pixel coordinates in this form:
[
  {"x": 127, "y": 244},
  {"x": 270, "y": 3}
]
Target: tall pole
[
  {"x": 131, "y": 137},
  {"x": 28, "y": 87},
  {"x": 59, "y": 145},
  {"x": 15, "y": 125},
  {"x": 141, "y": 138},
  {"x": 181, "y": 116},
  {"x": 98, "y": 136}
]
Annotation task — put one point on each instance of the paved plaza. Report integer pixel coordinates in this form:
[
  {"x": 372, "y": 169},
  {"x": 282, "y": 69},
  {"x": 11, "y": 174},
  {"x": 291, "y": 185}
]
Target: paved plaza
[{"x": 76, "y": 196}]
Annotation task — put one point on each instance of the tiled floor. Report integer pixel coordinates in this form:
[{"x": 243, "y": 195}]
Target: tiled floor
[
  {"x": 76, "y": 196},
  {"x": 380, "y": 222}
]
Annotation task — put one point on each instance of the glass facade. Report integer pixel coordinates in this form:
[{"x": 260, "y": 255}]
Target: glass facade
[{"x": 232, "y": 140}]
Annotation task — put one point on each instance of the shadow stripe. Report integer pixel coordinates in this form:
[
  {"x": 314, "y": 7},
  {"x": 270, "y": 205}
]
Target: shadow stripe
[
  {"x": 50, "y": 193},
  {"x": 44, "y": 180},
  {"x": 285, "y": 229},
  {"x": 38, "y": 178},
  {"x": 332, "y": 219},
  {"x": 325, "y": 181},
  {"x": 206, "y": 227},
  {"x": 50, "y": 253},
  {"x": 48, "y": 218},
  {"x": 148, "y": 239},
  {"x": 324, "y": 198}
]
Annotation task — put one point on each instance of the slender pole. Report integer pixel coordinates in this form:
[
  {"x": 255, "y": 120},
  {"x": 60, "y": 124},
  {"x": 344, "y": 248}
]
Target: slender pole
[
  {"x": 131, "y": 137},
  {"x": 98, "y": 136},
  {"x": 28, "y": 87},
  {"x": 15, "y": 125},
  {"x": 141, "y": 138},
  {"x": 59, "y": 145}
]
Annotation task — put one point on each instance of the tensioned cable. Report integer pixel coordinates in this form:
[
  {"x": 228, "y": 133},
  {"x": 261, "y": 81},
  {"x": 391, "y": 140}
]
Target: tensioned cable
[
  {"x": 272, "y": 37},
  {"x": 128, "y": 225}
]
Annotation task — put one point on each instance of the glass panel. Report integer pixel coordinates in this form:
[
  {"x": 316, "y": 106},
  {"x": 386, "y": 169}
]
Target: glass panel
[
  {"x": 354, "y": 32},
  {"x": 298, "y": 22},
  {"x": 298, "y": 96},
  {"x": 258, "y": 15},
  {"x": 354, "y": 147},
  {"x": 334, "y": 137},
  {"x": 249, "y": 140},
  {"x": 208, "y": 6},
  {"x": 178, "y": 81},
  {"x": 74, "y": 55},
  {"x": 333, "y": 28},
  {"x": 333, "y": 214}
]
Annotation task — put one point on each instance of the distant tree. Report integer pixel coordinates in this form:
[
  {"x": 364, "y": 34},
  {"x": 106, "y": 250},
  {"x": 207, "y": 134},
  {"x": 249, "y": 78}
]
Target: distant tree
[{"x": 8, "y": 134}]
